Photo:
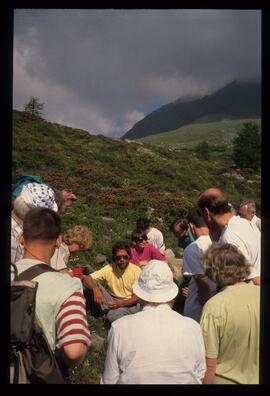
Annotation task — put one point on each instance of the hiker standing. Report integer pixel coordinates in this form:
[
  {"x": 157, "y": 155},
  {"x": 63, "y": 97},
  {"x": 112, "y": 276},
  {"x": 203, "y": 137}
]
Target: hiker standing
[
  {"x": 217, "y": 214},
  {"x": 32, "y": 195},
  {"x": 200, "y": 287},
  {"x": 60, "y": 304},
  {"x": 156, "y": 345},
  {"x": 247, "y": 210},
  {"x": 230, "y": 320}
]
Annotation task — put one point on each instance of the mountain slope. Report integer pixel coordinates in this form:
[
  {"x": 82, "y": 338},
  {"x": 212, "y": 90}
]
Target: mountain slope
[
  {"x": 235, "y": 100},
  {"x": 217, "y": 134}
]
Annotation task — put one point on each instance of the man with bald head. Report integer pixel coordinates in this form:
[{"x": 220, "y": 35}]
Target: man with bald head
[{"x": 232, "y": 229}]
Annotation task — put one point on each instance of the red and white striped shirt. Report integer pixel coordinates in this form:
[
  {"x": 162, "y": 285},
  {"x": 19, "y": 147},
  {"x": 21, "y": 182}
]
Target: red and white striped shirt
[{"x": 71, "y": 322}]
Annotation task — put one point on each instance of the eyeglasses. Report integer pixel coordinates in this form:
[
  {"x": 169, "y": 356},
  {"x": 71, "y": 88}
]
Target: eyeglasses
[
  {"x": 141, "y": 240},
  {"x": 124, "y": 256}
]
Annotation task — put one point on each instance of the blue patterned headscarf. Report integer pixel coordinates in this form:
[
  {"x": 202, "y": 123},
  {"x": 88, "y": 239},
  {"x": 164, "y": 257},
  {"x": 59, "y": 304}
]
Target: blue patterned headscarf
[{"x": 39, "y": 195}]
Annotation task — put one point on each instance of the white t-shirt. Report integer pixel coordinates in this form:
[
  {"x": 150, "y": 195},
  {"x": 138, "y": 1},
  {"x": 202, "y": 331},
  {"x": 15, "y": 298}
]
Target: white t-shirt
[
  {"x": 192, "y": 265},
  {"x": 60, "y": 257},
  {"x": 242, "y": 234},
  {"x": 156, "y": 239},
  {"x": 154, "y": 346}
]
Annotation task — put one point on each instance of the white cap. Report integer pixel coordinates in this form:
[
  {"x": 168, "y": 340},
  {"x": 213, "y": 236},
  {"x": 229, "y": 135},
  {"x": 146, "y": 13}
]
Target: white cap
[{"x": 155, "y": 283}]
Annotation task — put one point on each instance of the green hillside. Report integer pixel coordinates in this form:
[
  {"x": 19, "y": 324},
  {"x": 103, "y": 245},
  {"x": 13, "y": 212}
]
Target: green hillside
[
  {"x": 116, "y": 182},
  {"x": 218, "y": 133},
  {"x": 118, "y": 179}
]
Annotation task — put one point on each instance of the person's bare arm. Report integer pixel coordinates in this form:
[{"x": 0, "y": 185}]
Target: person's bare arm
[
  {"x": 114, "y": 304},
  {"x": 256, "y": 280},
  {"x": 89, "y": 282},
  {"x": 211, "y": 365},
  {"x": 73, "y": 354},
  {"x": 185, "y": 291}
]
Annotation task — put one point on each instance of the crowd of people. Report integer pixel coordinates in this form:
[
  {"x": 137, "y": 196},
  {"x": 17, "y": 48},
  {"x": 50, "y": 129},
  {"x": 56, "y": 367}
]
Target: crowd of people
[{"x": 214, "y": 339}]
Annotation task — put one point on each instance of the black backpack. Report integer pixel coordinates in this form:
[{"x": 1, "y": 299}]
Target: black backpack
[{"x": 31, "y": 358}]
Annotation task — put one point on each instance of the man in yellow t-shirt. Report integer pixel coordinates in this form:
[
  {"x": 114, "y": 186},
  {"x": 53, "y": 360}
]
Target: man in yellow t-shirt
[
  {"x": 119, "y": 276},
  {"x": 230, "y": 320}
]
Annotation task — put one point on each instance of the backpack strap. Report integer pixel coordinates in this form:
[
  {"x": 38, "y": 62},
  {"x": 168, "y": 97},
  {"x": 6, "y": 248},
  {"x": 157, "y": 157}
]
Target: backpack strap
[
  {"x": 34, "y": 271},
  {"x": 15, "y": 270}
]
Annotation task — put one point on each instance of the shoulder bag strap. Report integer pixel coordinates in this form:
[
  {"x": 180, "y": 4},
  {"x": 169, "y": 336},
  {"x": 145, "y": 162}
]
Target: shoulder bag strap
[{"x": 34, "y": 271}]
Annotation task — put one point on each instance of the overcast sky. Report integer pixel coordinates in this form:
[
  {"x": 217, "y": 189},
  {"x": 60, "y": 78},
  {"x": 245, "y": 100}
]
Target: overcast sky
[{"x": 104, "y": 70}]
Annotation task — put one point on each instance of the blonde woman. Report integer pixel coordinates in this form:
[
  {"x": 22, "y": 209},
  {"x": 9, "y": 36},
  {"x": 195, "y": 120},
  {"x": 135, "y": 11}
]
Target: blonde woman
[{"x": 73, "y": 240}]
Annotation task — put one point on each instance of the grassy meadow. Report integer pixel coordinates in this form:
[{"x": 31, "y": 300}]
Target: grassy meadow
[{"x": 217, "y": 134}]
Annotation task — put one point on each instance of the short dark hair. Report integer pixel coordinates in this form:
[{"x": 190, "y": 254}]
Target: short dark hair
[
  {"x": 225, "y": 264},
  {"x": 121, "y": 245},
  {"x": 179, "y": 225},
  {"x": 41, "y": 224},
  {"x": 142, "y": 223},
  {"x": 214, "y": 203},
  {"x": 195, "y": 217},
  {"x": 137, "y": 234}
]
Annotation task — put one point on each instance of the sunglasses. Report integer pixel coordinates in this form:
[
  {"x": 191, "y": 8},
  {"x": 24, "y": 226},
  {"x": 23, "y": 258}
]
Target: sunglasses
[
  {"x": 141, "y": 240},
  {"x": 124, "y": 256}
]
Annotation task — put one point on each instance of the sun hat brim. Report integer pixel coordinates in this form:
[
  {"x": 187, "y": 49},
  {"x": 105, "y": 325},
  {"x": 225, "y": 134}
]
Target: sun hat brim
[{"x": 158, "y": 297}]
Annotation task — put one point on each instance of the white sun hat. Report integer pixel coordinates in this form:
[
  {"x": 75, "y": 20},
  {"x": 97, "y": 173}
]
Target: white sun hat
[
  {"x": 155, "y": 283},
  {"x": 39, "y": 195}
]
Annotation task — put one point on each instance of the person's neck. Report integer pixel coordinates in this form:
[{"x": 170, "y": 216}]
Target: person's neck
[
  {"x": 16, "y": 217},
  {"x": 37, "y": 253},
  {"x": 223, "y": 220},
  {"x": 139, "y": 249},
  {"x": 203, "y": 231}
]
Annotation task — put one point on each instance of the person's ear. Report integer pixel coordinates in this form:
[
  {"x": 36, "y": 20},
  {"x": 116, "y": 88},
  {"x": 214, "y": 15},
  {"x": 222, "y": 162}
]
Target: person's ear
[
  {"x": 21, "y": 239},
  {"x": 206, "y": 214},
  {"x": 58, "y": 241},
  {"x": 192, "y": 228}
]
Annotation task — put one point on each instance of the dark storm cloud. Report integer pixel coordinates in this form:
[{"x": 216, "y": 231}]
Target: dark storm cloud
[{"x": 101, "y": 69}]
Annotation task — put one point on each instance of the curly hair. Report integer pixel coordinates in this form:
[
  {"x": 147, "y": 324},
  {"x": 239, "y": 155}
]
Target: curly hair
[
  {"x": 121, "y": 245},
  {"x": 79, "y": 234},
  {"x": 225, "y": 264}
]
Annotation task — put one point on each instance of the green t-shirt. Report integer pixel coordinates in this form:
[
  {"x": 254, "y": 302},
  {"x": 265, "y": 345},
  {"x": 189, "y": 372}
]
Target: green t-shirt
[{"x": 230, "y": 327}]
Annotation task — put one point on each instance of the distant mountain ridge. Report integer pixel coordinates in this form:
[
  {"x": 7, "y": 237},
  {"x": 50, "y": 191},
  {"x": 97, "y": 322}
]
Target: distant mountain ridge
[{"x": 235, "y": 100}]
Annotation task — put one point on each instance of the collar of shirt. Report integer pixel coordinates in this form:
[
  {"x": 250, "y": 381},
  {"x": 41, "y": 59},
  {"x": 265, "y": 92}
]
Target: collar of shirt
[
  {"x": 118, "y": 270},
  {"x": 25, "y": 263},
  {"x": 232, "y": 220},
  {"x": 16, "y": 219},
  {"x": 160, "y": 306}
]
